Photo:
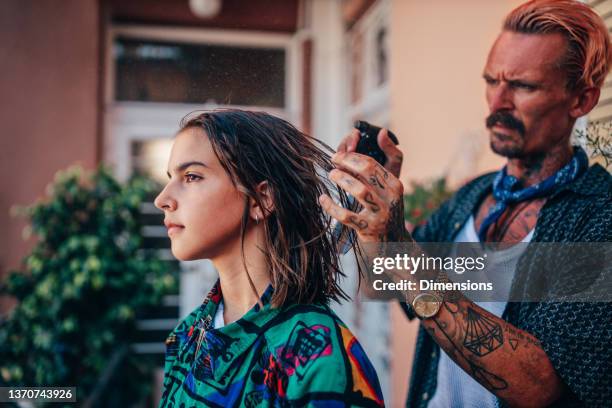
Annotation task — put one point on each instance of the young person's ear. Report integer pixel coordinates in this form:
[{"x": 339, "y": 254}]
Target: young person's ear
[
  {"x": 266, "y": 198},
  {"x": 584, "y": 102}
]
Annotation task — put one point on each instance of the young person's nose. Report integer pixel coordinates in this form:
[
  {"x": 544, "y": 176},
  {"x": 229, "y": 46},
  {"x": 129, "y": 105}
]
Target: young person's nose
[{"x": 164, "y": 201}]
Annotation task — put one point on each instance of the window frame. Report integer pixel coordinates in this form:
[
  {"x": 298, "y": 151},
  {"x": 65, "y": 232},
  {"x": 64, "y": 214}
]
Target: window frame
[{"x": 126, "y": 121}]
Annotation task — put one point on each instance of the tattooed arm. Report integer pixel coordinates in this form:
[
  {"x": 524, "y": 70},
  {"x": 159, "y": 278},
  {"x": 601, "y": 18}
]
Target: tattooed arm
[{"x": 506, "y": 360}]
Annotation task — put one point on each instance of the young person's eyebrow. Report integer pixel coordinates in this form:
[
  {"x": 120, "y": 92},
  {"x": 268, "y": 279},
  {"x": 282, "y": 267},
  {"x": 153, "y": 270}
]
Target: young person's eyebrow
[{"x": 183, "y": 166}]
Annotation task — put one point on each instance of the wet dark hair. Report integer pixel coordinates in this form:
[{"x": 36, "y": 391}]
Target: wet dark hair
[{"x": 300, "y": 250}]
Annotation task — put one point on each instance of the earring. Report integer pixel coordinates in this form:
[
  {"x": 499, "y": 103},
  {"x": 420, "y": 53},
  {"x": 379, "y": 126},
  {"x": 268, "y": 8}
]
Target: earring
[{"x": 256, "y": 219}]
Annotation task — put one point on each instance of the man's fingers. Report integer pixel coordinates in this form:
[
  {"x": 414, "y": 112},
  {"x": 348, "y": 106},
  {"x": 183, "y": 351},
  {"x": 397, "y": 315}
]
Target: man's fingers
[
  {"x": 352, "y": 140},
  {"x": 366, "y": 197},
  {"x": 357, "y": 164},
  {"x": 394, "y": 155},
  {"x": 349, "y": 142},
  {"x": 341, "y": 214},
  {"x": 368, "y": 171}
]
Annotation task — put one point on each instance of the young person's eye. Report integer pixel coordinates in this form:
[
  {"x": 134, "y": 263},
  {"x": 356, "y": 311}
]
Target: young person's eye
[{"x": 191, "y": 177}]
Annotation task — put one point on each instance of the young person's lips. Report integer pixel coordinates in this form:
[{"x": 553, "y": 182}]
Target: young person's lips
[{"x": 173, "y": 228}]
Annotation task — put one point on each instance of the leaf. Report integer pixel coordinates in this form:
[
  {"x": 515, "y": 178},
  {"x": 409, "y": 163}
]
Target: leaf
[{"x": 83, "y": 283}]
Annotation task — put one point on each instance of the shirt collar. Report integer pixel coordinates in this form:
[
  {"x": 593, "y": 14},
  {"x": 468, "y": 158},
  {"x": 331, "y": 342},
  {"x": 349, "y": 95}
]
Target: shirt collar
[
  {"x": 595, "y": 181},
  {"x": 226, "y": 345}
]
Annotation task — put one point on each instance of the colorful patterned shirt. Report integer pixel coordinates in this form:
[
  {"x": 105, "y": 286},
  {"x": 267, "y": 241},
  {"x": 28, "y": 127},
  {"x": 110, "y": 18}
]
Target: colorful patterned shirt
[{"x": 297, "y": 355}]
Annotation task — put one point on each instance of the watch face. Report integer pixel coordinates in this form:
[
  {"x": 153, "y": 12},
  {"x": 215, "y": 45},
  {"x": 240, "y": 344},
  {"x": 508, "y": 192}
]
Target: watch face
[{"x": 426, "y": 305}]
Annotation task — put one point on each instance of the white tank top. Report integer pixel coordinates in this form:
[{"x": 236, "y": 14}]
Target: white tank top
[{"x": 455, "y": 388}]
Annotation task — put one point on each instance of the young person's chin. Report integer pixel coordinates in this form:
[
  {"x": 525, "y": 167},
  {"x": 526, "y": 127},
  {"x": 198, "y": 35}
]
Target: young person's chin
[{"x": 184, "y": 254}]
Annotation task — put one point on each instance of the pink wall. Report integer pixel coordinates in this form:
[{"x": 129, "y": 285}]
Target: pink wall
[{"x": 49, "y": 116}]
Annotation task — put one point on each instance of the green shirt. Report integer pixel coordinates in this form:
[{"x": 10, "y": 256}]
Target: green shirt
[{"x": 297, "y": 355}]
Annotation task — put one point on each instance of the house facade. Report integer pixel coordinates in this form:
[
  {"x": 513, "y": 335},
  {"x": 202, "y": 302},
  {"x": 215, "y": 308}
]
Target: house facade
[{"x": 91, "y": 81}]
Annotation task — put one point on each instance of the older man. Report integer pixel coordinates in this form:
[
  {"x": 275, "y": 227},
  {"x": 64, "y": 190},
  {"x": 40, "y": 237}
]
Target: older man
[{"x": 544, "y": 71}]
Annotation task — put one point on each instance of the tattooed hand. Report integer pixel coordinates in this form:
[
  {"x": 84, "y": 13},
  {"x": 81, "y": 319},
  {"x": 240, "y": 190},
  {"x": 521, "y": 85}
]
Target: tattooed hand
[
  {"x": 378, "y": 191},
  {"x": 393, "y": 154}
]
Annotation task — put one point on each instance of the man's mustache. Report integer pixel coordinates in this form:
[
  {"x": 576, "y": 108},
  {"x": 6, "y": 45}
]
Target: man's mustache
[{"x": 507, "y": 120}]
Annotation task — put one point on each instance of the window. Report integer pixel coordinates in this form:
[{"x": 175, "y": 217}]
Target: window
[{"x": 159, "y": 71}]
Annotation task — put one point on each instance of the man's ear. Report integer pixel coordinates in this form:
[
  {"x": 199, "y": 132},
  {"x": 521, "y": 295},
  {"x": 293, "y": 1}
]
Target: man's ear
[
  {"x": 266, "y": 198},
  {"x": 584, "y": 102}
]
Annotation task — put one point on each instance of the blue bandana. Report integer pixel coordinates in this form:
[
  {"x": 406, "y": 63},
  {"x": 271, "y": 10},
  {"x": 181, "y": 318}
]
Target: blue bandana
[{"x": 505, "y": 187}]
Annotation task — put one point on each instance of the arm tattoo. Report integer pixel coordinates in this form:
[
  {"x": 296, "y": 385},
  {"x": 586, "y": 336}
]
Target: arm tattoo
[
  {"x": 396, "y": 231},
  {"x": 479, "y": 373},
  {"x": 473, "y": 337},
  {"x": 482, "y": 335}
]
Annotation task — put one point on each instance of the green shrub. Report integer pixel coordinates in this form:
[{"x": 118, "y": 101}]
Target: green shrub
[
  {"x": 79, "y": 290},
  {"x": 423, "y": 199}
]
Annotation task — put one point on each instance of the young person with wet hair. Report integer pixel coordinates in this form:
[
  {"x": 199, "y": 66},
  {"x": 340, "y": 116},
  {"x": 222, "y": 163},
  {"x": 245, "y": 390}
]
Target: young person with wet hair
[
  {"x": 242, "y": 192},
  {"x": 544, "y": 71}
]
